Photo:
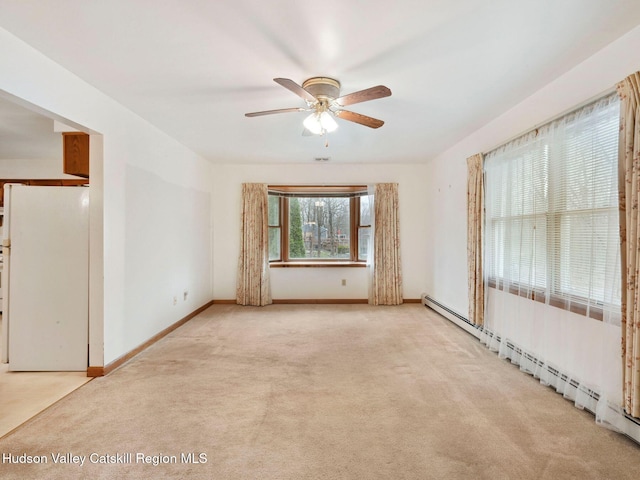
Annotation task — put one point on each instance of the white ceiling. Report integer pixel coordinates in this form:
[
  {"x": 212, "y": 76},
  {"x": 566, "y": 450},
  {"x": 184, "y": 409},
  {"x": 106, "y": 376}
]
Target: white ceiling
[{"x": 194, "y": 67}]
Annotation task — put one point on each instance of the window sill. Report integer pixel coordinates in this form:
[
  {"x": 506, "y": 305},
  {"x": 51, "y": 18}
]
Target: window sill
[
  {"x": 317, "y": 264},
  {"x": 555, "y": 300}
]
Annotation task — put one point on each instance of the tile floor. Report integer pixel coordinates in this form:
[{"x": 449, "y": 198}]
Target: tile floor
[{"x": 25, "y": 394}]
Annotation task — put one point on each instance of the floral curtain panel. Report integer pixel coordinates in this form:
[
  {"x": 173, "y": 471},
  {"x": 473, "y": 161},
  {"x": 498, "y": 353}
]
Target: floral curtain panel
[
  {"x": 253, "y": 287},
  {"x": 386, "y": 284},
  {"x": 475, "y": 207},
  {"x": 629, "y": 166}
]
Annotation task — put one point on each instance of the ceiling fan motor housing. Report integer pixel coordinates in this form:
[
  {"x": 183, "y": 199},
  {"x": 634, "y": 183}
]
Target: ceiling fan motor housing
[{"x": 322, "y": 88}]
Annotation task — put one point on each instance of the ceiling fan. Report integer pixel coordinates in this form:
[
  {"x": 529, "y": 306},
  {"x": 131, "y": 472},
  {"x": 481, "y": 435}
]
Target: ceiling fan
[{"x": 323, "y": 101}]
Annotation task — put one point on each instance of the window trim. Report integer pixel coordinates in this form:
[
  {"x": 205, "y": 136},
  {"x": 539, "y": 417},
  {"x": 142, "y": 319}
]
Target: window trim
[{"x": 352, "y": 192}]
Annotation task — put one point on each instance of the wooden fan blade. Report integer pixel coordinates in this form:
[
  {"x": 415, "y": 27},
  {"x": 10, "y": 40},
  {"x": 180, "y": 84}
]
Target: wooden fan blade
[
  {"x": 269, "y": 112},
  {"x": 363, "y": 95},
  {"x": 361, "y": 119},
  {"x": 295, "y": 88}
]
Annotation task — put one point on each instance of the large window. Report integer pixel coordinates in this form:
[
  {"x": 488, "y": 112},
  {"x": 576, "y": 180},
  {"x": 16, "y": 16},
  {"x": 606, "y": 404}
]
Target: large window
[
  {"x": 552, "y": 212},
  {"x": 316, "y": 225}
]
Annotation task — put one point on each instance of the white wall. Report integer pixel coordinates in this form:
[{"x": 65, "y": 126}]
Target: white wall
[
  {"x": 33, "y": 168},
  {"x": 447, "y": 173},
  {"x": 156, "y": 198},
  {"x": 318, "y": 283}
]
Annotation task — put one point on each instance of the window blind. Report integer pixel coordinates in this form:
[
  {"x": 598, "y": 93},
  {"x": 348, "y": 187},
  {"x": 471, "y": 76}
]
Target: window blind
[{"x": 552, "y": 212}]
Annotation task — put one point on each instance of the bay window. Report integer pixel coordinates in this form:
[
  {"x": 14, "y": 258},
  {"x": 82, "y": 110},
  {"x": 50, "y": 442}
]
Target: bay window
[{"x": 318, "y": 225}]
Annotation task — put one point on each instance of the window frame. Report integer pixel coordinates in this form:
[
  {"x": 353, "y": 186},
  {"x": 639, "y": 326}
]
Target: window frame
[{"x": 285, "y": 192}]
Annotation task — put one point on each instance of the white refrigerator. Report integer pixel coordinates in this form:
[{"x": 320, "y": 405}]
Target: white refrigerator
[{"x": 45, "y": 304}]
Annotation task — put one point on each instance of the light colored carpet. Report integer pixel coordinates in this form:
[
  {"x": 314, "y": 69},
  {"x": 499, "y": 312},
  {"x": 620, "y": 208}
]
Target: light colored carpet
[{"x": 321, "y": 392}]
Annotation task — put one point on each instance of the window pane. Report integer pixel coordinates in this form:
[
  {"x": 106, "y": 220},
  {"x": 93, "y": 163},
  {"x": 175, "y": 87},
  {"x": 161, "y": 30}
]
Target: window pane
[
  {"x": 586, "y": 256},
  {"x": 365, "y": 210},
  {"x": 523, "y": 247},
  {"x": 274, "y": 243},
  {"x": 297, "y": 235},
  {"x": 364, "y": 234},
  {"x": 274, "y": 211},
  {"x": 319, "y": 228}
]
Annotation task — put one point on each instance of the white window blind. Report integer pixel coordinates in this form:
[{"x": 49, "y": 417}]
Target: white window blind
[{"x": 552, "y": 212}]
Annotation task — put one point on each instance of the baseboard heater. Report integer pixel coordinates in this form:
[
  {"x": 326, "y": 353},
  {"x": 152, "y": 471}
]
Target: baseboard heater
[
  {"x": 630, "y": 426},
  {"x": 562, "y": 379},
  {"x": 451, "y": 315}
]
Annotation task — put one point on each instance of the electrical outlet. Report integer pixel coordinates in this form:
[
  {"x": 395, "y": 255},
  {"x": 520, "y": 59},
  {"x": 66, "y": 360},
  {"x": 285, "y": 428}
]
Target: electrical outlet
[
  {"x": 175, "y": 299},
  {"x": 185, "y": 294},
  {"x": 344, "y": 282}
]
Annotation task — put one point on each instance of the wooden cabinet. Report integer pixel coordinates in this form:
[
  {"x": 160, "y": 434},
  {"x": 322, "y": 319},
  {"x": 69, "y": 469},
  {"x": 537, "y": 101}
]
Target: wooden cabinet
[{"x": 76, "y": 153}]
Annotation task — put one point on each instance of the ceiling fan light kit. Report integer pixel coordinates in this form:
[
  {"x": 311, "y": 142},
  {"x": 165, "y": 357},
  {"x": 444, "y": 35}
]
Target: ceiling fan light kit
[
  {"x": 320, "y": 123},
  {"x": 321, "y": 95}
]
